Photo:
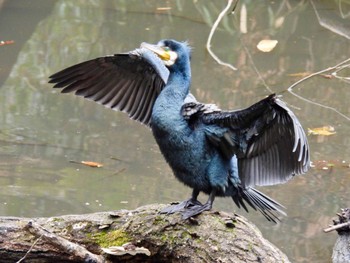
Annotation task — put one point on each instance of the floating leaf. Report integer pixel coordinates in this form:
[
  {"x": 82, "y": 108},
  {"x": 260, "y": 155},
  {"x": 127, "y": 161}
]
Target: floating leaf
[
  {"x": 88, "y": 163},
  {"x": 325, "y": 131},
  {"x": 7, "y": 42},
  {"x": 163, "y": 8},
  {"x": 267, "y": 45},
  {"x": 243, "y": 20},
  {"x": 92, "y": 164},
  {"x": 279, "y": 21}
]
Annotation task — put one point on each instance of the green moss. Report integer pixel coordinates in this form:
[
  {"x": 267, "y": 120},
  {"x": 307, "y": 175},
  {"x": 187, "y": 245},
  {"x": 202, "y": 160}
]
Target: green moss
[
  {"x": 111, "y": 238},
  {"x": 176, "y": 237},
  {"x": 159, "y": 220},
  {"x": 170, "y": 238},
  {"x": 166, "y": 238}
]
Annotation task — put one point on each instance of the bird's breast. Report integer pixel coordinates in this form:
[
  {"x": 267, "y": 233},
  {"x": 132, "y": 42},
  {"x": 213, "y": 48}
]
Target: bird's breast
[{"x": 185, "y": 150}]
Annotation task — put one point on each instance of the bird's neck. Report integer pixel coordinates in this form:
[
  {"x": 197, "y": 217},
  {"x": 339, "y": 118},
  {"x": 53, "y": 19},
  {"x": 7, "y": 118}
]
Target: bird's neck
[
  {"x": 166, "y": 112},
  {"x": 179, "y": 82},
  {"x": 178, "y": 86}
]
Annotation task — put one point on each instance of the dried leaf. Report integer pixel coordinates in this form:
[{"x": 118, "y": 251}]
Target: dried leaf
[
  {"x": 267, "y": 45},
  {"x": 163, "y": 8},
  {"x": 92, "y": 164},
  {"x": 88, "y": 163},
  {"x": 243, "y": 20},
  {"x": 7, "y": 42},
  {"x": 325, "y": 131},
  {"x": 279, "y": 21}
]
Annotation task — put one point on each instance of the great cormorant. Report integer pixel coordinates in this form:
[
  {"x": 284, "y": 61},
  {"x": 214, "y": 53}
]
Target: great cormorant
[{"x": 220, "y": 153}]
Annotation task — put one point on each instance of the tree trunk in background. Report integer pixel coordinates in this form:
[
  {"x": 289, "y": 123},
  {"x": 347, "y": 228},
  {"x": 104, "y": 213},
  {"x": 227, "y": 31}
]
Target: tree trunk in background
[
  {"x": 209, "y": 237},
  {"x": 341, "y": 249}
]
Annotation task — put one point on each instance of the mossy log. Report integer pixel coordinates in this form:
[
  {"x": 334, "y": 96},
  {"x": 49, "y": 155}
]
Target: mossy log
[{"x": 209, "y": 237}]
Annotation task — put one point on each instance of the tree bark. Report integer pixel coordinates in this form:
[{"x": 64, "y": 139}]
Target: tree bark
[
  {"x": 341, "y": 249},
  {"x": 209, "y": 237}
]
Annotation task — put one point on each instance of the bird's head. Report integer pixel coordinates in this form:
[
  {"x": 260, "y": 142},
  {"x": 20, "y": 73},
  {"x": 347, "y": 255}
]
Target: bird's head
[{"x": 171, "y": 52}]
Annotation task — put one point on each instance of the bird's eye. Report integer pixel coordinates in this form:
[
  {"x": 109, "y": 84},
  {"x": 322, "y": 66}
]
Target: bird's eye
[{"x": 166, "y": 49}]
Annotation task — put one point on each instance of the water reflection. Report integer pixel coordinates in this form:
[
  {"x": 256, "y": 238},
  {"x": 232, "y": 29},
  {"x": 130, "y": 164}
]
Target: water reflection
[{"x": 42, "y": 131}]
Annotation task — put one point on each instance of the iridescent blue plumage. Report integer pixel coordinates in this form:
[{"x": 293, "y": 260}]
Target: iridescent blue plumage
[{"x": 220, "y": 153}]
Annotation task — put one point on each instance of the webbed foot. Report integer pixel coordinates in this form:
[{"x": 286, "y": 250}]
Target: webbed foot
[
  {"x": 181, "y": 206},
  {"x": 196, "y": 210}
]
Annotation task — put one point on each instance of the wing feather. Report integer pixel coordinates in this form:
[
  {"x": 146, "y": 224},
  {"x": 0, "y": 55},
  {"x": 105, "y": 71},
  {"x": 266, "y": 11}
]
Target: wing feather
[
  {"x": 126, "y": 82},
  {"x": 267, "y": 139}
]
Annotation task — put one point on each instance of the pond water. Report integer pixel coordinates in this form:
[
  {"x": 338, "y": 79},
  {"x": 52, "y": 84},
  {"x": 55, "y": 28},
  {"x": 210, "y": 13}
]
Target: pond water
[{"x": 42, "y": 131}]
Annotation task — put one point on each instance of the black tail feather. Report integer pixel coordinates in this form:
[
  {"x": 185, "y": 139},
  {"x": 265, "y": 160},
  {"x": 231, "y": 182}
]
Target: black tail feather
[
  {"x": 259, "y": 201},
  {"x": 239, "y": 202}
]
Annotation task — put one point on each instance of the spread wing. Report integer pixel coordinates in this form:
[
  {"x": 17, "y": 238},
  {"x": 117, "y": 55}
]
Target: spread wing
[
  {"x": 267, "y": 139},
  {"x": 127, "y": 82}
]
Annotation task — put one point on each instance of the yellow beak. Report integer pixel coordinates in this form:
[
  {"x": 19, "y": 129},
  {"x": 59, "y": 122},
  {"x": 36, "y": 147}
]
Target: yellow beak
[{"x": 160, "y": 52}]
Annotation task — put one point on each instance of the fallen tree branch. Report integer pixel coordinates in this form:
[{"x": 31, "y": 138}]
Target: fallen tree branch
[
  {"x": 76, "y": 251},
  {"x": 336, "y": 227},
  {"x": 30, "y": 249}
]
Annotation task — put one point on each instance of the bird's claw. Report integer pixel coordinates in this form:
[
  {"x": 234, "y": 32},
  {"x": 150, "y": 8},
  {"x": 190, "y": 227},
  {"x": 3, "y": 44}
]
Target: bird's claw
[{"x": 181, "y": 206}]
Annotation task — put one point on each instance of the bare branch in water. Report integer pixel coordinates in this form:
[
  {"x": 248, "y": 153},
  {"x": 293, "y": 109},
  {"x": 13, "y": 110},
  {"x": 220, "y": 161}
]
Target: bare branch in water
[
  {"x": 216, "y": 23},
  {"x": 336, "y": 68}
]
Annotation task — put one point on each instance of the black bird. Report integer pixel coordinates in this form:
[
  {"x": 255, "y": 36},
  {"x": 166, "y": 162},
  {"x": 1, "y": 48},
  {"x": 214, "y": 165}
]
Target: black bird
[{"x": 220, "y": 153}]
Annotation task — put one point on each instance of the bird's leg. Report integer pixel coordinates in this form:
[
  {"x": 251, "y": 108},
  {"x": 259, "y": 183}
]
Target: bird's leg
[
  {"x": 197, "y": 209},
  {"x": 183, "y": 205}
]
